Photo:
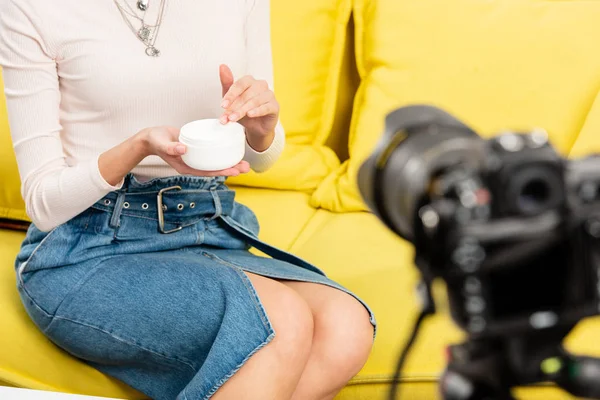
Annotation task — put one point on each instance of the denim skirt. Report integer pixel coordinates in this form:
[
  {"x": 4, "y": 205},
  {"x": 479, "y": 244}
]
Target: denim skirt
[{"x": 148, "y": 285}]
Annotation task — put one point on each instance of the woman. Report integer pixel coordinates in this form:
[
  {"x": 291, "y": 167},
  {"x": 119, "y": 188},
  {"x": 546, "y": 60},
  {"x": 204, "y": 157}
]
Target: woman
[{"x": 168, "y": 300}]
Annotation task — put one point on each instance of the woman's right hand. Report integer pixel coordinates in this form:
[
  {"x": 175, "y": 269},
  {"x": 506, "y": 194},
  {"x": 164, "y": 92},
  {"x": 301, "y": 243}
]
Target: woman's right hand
[{"x": 163, "y": 142}]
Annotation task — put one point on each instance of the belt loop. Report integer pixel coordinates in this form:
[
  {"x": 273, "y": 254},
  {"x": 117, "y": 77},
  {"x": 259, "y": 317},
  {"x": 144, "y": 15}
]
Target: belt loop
[
  {"x": 116, "y": 215},
  {"x": 218, "y": 205}
]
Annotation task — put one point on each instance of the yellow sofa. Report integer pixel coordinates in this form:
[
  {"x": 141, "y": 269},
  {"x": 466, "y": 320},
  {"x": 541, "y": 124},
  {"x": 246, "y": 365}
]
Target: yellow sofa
[{"x": 307, "y": 204}]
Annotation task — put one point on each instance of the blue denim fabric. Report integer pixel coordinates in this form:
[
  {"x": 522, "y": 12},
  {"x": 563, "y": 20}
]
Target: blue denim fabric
[{"x": 172, "y": 315}]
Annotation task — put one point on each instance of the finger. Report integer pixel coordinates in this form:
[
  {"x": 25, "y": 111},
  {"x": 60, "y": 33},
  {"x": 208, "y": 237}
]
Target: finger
[
  {"x": 254, "y": 103},
  {"x": 243, "y": 167},
  {"x": 178, "y": 164},
  {"x": 236, "y": 89},
  {"x": 174, "y": 148},
  {"x": 270, "y": 108},
  {"x": 226, "y": 77},
  {"x": 185, "y": 170},
  {"x": 254, "y": 90}
]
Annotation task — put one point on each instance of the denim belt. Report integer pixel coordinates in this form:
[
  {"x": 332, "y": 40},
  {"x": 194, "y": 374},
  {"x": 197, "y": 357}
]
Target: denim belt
[{"x": 171, "y": 205}]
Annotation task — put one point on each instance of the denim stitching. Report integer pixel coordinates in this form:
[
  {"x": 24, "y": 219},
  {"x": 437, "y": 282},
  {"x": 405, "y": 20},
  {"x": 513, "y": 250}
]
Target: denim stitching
[
  {"x": 21, "y": 271},
  {"x": 221, "y": 382},
  {"x": 26, "y": 292},
  {"x": 87, "y": 222},
  {"x": 131, "y": 343},
  {"x": 255, "y": 299},
  {"x": 232, "y": 264},
  {"x": 245, "y": 231},
  {"x": 84, "y": 279},
  {"x": 249, "y": 287},
  {"x": 184, "y": 393}
]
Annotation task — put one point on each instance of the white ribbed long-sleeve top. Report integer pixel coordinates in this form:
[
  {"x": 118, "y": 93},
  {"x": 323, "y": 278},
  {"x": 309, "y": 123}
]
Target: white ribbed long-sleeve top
[{"x": 78, "y": 82}]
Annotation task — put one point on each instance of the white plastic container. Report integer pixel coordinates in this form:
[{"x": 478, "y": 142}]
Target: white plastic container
[{"x": 212, "y": 146}]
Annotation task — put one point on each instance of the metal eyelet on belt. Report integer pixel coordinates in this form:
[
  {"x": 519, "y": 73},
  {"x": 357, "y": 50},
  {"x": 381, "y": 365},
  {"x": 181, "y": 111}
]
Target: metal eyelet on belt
[
  {"x": 192, "y": 204},
  {"x": 145, "y": 206},
  {"x": 126, "y": 205},
  {"x": 107, "y": 202},
  {"x": 180, "y": 206}
]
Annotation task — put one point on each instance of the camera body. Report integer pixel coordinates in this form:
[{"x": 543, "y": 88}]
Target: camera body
[
  {"x": 524, "y": 174},
  {"x": 512, "y": 227}
]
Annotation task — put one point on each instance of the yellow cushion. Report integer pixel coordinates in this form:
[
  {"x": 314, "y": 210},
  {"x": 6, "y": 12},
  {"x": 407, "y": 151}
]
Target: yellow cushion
[
  {"x": 282, "y": 214},
  {"x": 588, "y": 140},
  {"x": 11, "y": 202},
  {"x": 513, "y": 64},
  {"x": 29, "y": 360},
  {"x": 300, "y": 167},
  {"x": 308, "y": 39},
  {"x": 356, "y": 250}
]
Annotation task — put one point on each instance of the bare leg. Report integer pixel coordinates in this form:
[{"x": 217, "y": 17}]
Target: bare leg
[
  {"x": 274, "y": 371},
  {"x": 342, "y": 341}
]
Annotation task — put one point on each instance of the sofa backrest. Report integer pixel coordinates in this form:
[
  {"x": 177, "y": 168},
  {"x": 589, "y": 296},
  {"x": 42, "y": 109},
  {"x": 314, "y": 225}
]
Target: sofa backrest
[
  {"x": 495, "y": 65},
  {"x": 11, "y": 203}
]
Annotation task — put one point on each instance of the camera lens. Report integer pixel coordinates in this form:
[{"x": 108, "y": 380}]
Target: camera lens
[
  {"x": 419, "y": 141},
  {"x": 534, "y": 195}
]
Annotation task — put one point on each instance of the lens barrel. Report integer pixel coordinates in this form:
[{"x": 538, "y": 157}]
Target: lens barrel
[{"x": 419, "y": 142}]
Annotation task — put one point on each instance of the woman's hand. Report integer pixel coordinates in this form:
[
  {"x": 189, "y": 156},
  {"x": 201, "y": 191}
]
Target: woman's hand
[
  {"x": 251, "y": 103},
  {"x": 163, "y": 142}
]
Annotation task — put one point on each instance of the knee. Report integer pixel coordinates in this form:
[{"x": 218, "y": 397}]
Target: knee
[
  {"x": 293, "y": 324},
  {"x": 346, "y": 336}
]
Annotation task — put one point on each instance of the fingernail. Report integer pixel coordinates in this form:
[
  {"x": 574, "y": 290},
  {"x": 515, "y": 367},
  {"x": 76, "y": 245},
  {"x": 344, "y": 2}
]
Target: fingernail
[
  {"x": 225, "y": 104},
  {"x": 180, "y": 149},
  {"x": 223, "y": 119},
  {"x": 233, "y": 117}
]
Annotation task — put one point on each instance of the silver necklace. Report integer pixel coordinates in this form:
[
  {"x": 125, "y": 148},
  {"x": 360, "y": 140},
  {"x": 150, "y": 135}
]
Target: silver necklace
[
  {"x": 144, "y": 33},
  {"x": 143, "y": 4},
  {"x": 145, "y": 30}
]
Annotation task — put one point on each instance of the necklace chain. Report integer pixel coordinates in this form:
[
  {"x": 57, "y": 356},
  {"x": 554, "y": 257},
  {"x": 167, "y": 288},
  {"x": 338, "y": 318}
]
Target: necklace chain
[
  {"x": 132, "y": 13},
  {"x": 144, "y": 33}
]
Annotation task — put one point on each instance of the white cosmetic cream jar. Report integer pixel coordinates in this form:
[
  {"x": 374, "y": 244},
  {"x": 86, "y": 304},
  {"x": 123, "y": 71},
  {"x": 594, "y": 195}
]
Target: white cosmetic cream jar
[{"x": 212, "y": 146}]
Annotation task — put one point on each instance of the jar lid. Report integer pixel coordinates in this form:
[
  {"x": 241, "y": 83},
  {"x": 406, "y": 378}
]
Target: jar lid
[{"x": 210, "y": 132}]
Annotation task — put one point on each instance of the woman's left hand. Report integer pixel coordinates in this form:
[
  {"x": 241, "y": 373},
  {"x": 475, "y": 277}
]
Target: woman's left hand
[{"x": 251, "y": 103}]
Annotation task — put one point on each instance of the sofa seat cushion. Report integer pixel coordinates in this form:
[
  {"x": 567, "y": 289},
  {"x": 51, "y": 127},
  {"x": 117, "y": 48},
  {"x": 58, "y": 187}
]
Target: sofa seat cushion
[
  {"x": 282, "y": 214},
  {"x": 357, "y": 251},
  {"x": 30, "y": 360}
]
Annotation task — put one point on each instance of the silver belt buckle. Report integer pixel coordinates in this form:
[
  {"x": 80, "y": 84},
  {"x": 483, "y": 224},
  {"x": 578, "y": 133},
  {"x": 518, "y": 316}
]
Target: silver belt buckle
[{"x": 161, "y": 214}]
